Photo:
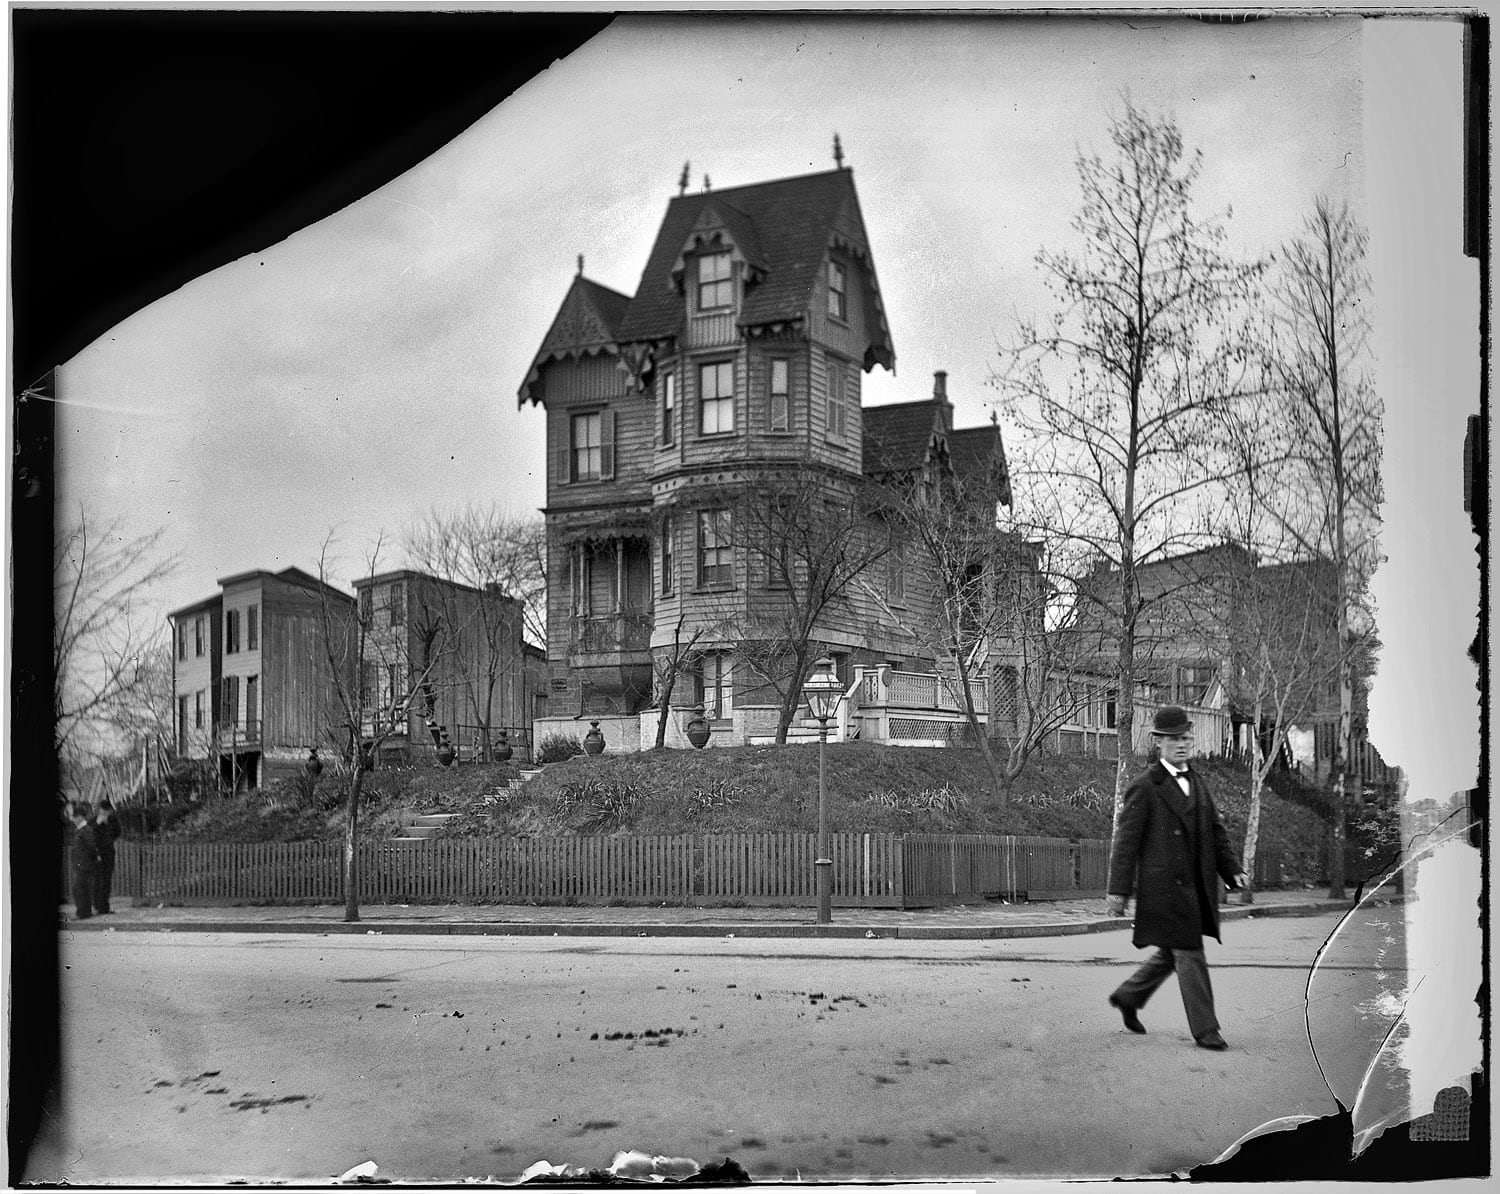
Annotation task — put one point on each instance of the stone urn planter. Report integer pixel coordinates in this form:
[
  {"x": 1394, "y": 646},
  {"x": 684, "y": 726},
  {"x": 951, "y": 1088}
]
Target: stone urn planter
[
  {"x": 593, "y": 741},
  {"x": 445, "y": 754},
  {"x": 501, "y": 751},
  {"x": 698, "y": 730}
]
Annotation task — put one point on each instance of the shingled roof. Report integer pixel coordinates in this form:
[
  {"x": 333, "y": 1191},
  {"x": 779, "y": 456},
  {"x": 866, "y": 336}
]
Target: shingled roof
[
  {"x": 904, "y": 436},
  {"x": 784, "y": 230},
  {"x": 898, "y": 437},
  {"x": 975, "y": 451}
]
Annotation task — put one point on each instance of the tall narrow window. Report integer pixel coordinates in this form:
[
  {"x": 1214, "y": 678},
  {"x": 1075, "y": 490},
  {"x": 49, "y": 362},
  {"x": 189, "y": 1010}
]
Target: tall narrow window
[
  {"x": 231, "y": 631},
  {"x": 182, "y": 723},
  {"x": 231, "y": 711},
  {"x": 198, "y": 628},
  {"x": 182, "y": 642},
  {"x": 715, "y": 283},
  {"x": 836, "y": 426},
  {"x": 397, "y": 604},
  {"x": 369, "y": 684},
  {"x": 252, "y": 627},
  {"x": 668, "y": 409},
  {"x": 198, "y": 709},
  {"x": 668, "y": 565},
  {"x": 716, "y": 684},
  {"x": 716, "y": 398},
  {"x": 588, "y": 444},
  {"x": 715, "y": 556},
  {"x": 837, "y": 291},
  {"x": 780, "y": 400},
  {"x": 895, "y": 563},
  {"x": 252, "y": 703}
]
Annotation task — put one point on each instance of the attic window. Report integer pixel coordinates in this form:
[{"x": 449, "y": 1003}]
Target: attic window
[
  {"x": 715, "y": 284},
  {"x": 837, "y": 291}
]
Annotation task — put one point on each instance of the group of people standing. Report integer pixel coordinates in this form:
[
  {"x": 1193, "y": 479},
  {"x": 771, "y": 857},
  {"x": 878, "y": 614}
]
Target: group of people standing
[{"x": 92, "y": 856}]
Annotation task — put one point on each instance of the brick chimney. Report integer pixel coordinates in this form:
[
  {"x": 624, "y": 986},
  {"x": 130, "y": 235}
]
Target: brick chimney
[{"x": 940, "y": 398}]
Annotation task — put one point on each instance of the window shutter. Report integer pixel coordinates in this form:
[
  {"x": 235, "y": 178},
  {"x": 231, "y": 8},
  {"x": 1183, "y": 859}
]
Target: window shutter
[
  {"x": 564, "y": 470},
  {"x": 607, "y": 445}
]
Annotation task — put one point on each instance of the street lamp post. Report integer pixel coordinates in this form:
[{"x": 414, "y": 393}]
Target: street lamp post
[{"x": 822, "y": 693}]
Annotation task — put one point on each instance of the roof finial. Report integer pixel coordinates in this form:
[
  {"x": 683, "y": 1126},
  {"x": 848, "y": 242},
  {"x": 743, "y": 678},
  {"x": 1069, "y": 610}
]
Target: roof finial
[
  {"x": 838, "y": 152},
  {"x": 683, "y": 181},
  {"x": 707, "y": 183},
  {"x": 580, "y": 265}
]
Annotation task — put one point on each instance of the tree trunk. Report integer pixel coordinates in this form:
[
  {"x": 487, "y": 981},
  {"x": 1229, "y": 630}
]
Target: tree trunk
[
  {"x": 998, "y": 775},
  {"x": 668, "y": 683},
  {"x": 351, "y": 839},
  {"x": 1125, "y": 697},
  {"x": 1258, "y": 770},
  {"x": 792, "y": 698}
]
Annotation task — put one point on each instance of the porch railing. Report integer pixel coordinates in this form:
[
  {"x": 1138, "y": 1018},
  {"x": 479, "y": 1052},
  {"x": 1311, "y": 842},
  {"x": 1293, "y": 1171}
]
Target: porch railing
[{"x": 603, "y": 633}]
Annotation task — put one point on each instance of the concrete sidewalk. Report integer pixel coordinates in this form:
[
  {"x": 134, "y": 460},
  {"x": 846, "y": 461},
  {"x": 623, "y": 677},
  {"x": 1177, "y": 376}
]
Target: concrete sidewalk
[{"x": 989, "y": 920}]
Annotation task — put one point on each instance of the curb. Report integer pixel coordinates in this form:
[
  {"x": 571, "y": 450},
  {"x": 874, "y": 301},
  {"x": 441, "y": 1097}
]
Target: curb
[{"x": 390, "y": 928}]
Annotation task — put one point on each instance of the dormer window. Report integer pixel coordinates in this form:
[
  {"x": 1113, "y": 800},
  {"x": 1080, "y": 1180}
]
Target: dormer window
[
  {"x": 715, "y": 282},
  {"x": 838, "y": 289}
]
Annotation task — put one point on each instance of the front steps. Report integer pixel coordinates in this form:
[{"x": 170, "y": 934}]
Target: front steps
[{"x": 417, "y": 828}]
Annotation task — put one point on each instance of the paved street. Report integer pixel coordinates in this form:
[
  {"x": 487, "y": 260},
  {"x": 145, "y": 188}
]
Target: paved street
[{"x": 206, "y": 1055}]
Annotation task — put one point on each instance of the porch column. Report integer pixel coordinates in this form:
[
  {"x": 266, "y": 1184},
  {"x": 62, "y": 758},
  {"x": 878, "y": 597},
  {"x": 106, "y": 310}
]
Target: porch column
[{"x": 619, "y": 574}]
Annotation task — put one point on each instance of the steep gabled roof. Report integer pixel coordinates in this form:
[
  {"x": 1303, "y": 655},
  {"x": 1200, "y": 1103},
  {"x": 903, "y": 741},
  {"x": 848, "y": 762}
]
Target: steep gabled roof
[
  {"x": 899, "y": 437},
  {"x": 587, "y": 323},
  {"x": 978, "y": 454},
  {"x": 784, "y": 230}
]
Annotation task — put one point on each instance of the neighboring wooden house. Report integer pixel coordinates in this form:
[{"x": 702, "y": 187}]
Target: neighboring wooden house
[
  {"x": 251, "y": 681},
  {"x": 1204, "y": 615},
  {"x": 461, "y": 648},
  {"x": 735, "y": 367}
]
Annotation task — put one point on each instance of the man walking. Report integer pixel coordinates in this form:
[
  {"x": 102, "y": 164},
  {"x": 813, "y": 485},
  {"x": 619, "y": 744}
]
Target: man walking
[
  {"x": 1168, "y": 848},
  {"x": 106, "y": 833}
]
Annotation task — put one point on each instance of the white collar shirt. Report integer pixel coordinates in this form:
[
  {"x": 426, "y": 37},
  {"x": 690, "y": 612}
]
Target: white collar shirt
[{"x": 1180, "y": 775}]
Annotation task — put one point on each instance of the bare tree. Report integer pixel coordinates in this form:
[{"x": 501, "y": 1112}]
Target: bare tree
[
  {"x": 991, "y": 620},
  {"x": 486, "y": 548},
  {"x": 1318, "y": 363},
  {"x": 106, "y": 630},
  {"x": 1120, "y": 393},
  {"x": 501, "y": 560},
  {"x": 366, "y": 718},
  {"x": 668, "y": 667},
  {"x": 807, "y": 535}
]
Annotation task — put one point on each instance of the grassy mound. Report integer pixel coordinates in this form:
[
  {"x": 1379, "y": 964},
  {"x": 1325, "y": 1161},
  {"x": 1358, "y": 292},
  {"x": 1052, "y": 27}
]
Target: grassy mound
[{"x": 871, "y": 789}]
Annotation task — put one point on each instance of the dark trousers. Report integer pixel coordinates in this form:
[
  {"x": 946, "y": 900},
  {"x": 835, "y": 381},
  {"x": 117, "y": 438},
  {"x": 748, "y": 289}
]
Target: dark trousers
[
  {"x": 1192, "y": 980},
  {"x": 104, "y": 879},
  {"x": 83, "y": 892}
]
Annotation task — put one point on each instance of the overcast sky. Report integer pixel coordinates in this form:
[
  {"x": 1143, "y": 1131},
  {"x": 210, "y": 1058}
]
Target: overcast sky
[{"x": 365, "y": 370}]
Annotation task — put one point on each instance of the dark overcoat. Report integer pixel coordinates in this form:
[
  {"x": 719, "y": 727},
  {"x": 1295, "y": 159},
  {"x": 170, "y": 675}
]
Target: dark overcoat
[{"x": 1176, "y": 893}]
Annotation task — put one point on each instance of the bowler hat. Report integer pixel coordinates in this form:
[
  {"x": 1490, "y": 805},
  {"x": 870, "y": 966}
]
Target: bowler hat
[{"x": 1170, "y": 721}]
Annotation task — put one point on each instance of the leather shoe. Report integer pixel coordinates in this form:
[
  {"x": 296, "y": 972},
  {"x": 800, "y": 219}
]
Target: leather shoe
[
  {"x": 1127, "y": 1013},
  {"x": 1212, "y": 1040}
]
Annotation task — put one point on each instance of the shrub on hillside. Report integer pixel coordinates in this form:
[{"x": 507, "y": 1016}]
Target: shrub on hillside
[{"x": 554, "y": 748}]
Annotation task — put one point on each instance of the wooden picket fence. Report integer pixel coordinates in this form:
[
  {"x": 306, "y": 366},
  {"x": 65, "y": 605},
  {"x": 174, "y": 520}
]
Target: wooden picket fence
[{"x": 869, "y": 869}]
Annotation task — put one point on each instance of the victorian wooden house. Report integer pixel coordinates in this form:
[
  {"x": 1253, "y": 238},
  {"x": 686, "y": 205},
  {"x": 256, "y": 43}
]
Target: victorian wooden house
[
  {"x": 251, "y": 681},
  {"x": 735, "y": 367},
  {"x": 460, "y": 649}
]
